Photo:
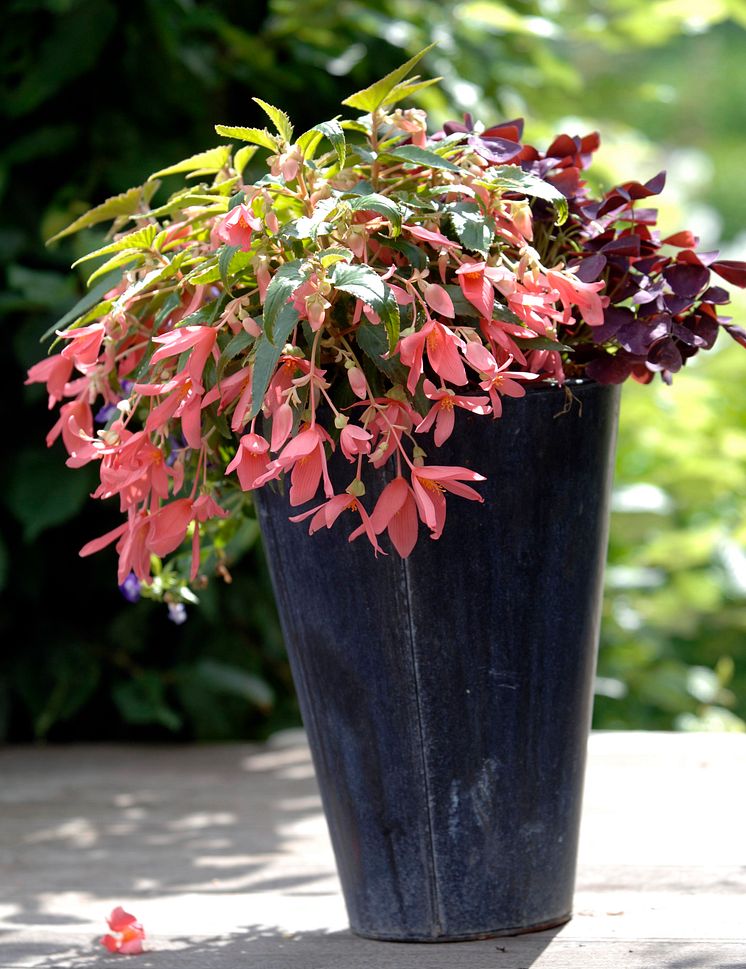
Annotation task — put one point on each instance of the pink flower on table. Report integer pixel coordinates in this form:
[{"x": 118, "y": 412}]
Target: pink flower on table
[
  {"x": 442, "y": 413},
  {"x": 126, "y": 934},
  {"x": 251, "y": 460},
  {"x": 442, "y": 346},
  {"x": 396, "y": 513},
  {"x": 236, "y": 228},
  {"x": 496, "y": 380},
  {"x": 55, "y": 372},
  {"x": 429, "y": 484},
  {"x": 326, "y": 514}
]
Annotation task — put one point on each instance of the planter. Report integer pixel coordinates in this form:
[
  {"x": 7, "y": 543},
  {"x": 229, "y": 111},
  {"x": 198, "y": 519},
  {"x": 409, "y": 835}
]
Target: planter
[{"x": 447, "y": 698}]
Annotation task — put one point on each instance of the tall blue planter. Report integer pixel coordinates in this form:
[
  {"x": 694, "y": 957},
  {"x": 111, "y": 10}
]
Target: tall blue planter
[{"x": 447, "y": 698}]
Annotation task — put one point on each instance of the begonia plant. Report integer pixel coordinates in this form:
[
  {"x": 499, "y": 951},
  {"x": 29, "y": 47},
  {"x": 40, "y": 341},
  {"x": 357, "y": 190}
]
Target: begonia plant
[{"x": 358, "y": 293}]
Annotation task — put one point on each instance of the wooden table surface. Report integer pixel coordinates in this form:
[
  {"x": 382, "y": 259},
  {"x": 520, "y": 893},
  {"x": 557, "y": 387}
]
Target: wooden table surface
[{"x": 223, "y": 855}]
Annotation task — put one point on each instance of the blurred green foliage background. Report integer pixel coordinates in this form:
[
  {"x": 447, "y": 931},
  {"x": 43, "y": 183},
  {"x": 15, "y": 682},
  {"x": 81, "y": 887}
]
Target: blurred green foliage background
[{"x": 95, "y": 95}]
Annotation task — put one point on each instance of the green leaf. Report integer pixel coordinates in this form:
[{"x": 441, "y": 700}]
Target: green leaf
[
  {"x": 332, "y": 131},
  {"x": 42, "y": 492},
  {"x": 278, "y": 118},
  {"x": 327, "y": 257},
  {"x": 281, "y": 287},
  {"x": 382, "y": 205},
  {"x": 514, "y": 179},
  {"x": 224, "y": 678},
  {"x": 373, "y": 341},
  {"x": 367, "y": 285},
  {"x": 473, "y": 231},
  {"x": 242, "y": 157},
  {"x": 371, "y": 98},
  {"x": 257, "y": 136},
  {"x": 268, "y": 355},
  {"x": 407, "y": 88},
  {"x": 421, "y": 156},
  {"x": 415, "y": 256},
  {"x": 142, "y": 700},
  {"x": 240, "y": 341},
  {"x": 224, "y": 262},
  {"x": 123, "y": 259},
  {"x": 117, "y": 207},
  {"x": 539, "y": 343},
  {"x": 84, "y": 304},
  {"x": 203, "y": 163},
  {"x": 139, "y": 239}
]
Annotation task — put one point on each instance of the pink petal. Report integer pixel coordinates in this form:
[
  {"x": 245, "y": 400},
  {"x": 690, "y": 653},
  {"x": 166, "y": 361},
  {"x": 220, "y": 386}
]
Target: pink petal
[{"x": 438, "y": 299}]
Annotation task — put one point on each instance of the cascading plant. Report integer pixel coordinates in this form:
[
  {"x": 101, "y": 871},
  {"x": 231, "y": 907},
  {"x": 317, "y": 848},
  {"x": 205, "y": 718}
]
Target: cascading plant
[{"x": 355, "y": 296}]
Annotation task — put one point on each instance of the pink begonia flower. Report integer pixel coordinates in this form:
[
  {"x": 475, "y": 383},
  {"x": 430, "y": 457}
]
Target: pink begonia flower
[
  {"x": 429, "y": 484},
  {"x": 396, "y": 513},
  {"x": 84, "y": 346},
  {"x": 237, "y": 227},
  {"x": 75, "y": 423},
  {"x": 326, "y": 514},
  {"x": 496, "y": 381},
  {"x": 237, "y": 387},
  {"x": 354, "y": 440},
  {"x": 199, "y": 339},
  {"x": 436, "y": 239},
  {"x": 388, "y": 421},
  {"x": 442, "y": 414},
  {"x": 251, "y": 460},
  {"x": 126, "y": 935},
  {"x": 168, "y": 526},
  {"x": 437, "y": 299},
  {"x": 55, "y": 372},
  {"x": 476, "y": 286},
  {"x": 358, "y": 383},
  {"x": 574, "y": 292},
  {"x": 305, "y": 458},
  {"x": 182, "y": 399},
  {"x": 442, "y": 353}
]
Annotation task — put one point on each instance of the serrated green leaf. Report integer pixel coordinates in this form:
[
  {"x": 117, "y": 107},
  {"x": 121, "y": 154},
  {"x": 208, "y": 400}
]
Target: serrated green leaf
[
  {"x": 226, "y": 254},
  {"x": 514, "y": 179},
  {"x": 371, "y": 98},
  {"x": 117, "y": 207},
  {"x": 472, "y": 229},
  {"x": 407, "y": 89},
  {"x": 242, "y": 157},
  {"x": 328, "y": 257},
  {"x": 278, "y": 118},
  {"x": 281, "y": 287},
  {"x": 373, "y": 341},
  {"x": 240, "y": 341},
  {"x": 127, "y": 258},
  {"x": 382, "y": 205},
  {"x": 209, "y": 272},
  {"x": 416, "y": 257},
  {"x": 268, "y": 355},
  {"x": 365, "y": 284},
  {"x": 257, "y": 136},
  {"x": 333, "y": 132},
  {"x": 421, "y": 156},
  {"x": 139, "y": 239},
  {"x": 208, "y": 161}
]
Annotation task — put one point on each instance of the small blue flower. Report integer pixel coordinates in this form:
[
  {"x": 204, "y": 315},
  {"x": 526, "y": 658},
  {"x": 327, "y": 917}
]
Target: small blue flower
[
  {"x": 105, "y": 414},
  {"x": 177, "y": 612},
  {"x": 130, "y": 588}
]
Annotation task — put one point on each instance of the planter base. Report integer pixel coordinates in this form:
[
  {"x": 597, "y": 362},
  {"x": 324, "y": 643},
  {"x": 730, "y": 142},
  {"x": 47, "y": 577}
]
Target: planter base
[{"x": 473, "y": 937}]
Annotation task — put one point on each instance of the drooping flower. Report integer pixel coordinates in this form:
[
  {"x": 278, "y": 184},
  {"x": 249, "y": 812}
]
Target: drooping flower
[
  {"x": 429, "y": 484},
  {"x": 442, "y": 346},
  {"x": 237, "y": 227},
  {"x": 251, "y": 460},
  {"x": 396, "y": 513},
  {"x": 326, "y": 514},
  {"x": 442, "y": 414}
]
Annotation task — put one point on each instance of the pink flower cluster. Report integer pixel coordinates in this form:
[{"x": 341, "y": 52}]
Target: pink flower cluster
[{"x": 265, "y": 325}]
